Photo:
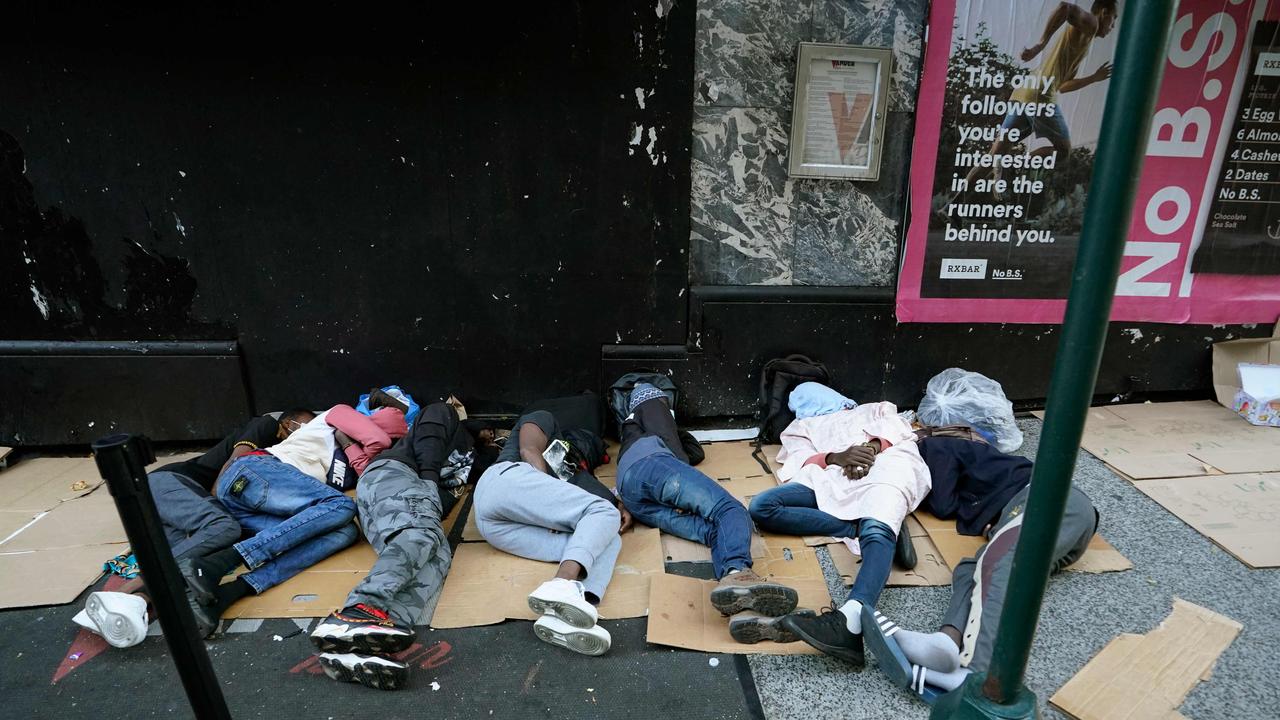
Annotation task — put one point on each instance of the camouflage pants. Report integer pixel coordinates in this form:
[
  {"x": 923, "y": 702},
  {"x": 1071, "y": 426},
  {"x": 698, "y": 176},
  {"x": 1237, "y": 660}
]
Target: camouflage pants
[
  {"x": 978, "y": 585},
  {"x": 400, "y": 515}
]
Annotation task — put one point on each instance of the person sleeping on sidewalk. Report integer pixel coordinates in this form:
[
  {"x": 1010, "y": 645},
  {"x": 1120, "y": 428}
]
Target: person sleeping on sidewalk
[
  {"x": 523, "y": 507},
  {"x": 986, "y": 490},
  {"x": 661, "y": 489},
  {"x": 401, "y": 505},
  {"x": 849, "y": 474},
  {"x": 194, "y": 522},
  {"x": 285, "y": 497}
]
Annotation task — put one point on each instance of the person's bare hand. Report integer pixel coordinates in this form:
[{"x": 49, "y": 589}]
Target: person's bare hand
[
  {"x": 627, "y": 521},
  {"x": 856, "y": 461},
  {"x": 1031, "y": 52},
  {"x": 343, "y": 439},
  {"x": 1103, "y": 72}
]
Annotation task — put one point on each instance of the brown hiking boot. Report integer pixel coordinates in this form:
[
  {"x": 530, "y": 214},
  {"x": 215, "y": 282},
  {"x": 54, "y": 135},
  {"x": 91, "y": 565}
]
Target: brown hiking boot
[{"x": 745, "y": 590}]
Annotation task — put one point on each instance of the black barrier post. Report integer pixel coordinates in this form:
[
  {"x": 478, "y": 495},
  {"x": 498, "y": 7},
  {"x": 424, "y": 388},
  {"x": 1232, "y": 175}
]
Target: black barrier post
[{"x": 122, "y": 461}]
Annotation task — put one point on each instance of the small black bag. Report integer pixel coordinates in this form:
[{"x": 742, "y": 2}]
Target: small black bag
[
  {"x": 583, "y": 411},
  {"x": 777, "y": 379},
  {"x": 620, "y": 393}
]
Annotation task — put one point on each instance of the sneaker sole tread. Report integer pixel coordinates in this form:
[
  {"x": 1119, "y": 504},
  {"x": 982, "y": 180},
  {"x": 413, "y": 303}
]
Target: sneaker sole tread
[
  {"x": 369, "y": 674},
  {"x": 571, "y": 614},
  {"x": 580, "y": 642},
  {"x": 768, "y": 599}
]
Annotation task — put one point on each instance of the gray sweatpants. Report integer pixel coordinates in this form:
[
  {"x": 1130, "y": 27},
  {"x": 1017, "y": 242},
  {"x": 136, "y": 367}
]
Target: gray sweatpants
[
  {"x": 400, "y": 515},
  {"x": 195, "y": 523},
  {"x": 978, "y": 584},
  {"x": 529, "y": 513}
]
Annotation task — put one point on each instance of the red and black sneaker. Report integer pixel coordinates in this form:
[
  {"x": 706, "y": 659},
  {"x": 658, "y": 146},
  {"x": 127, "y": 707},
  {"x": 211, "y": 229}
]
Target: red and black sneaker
[{"x": 361, "y": 629}]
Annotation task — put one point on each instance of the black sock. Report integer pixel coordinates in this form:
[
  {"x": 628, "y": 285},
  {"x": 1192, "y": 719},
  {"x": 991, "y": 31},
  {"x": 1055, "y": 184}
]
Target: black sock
[
  {"x": 221, "y": 562},
  {"x": 228, "y": 593}
]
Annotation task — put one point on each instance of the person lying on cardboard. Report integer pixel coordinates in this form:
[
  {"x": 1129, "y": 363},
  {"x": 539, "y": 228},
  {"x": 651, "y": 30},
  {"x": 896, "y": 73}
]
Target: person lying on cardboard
[
  {"x": 194, "y": 522},
  {"x": 525, "y": 508},
  {"x": 661, "y": 489},
  {"x": 285, "y": 496},
  {"x": 401, "y": 508},
  {"x": 986, "y": 490},
  {"x": 848, "y": 474}
]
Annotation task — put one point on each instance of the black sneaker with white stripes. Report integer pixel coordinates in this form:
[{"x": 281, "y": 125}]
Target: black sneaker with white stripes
[
  {"x": 380, "y": 673},
  {"x": 361, "y": 629}
]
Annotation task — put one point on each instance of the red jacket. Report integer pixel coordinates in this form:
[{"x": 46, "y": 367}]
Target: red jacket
[{"x": 372, "y": 434}]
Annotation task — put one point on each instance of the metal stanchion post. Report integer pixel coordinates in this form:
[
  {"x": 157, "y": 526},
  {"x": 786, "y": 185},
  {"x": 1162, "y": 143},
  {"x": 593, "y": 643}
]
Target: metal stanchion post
[{"x": 122, "y": 461}]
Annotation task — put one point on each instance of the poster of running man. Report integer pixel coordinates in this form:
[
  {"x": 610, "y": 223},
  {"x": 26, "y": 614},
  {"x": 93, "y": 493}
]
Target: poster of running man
[{"x": 1010, "y": 109}]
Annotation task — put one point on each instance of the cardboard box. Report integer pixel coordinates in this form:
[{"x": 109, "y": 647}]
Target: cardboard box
[
  {"x": 1236, "y": 512},
  {"x": 1178, "y": 439},
  {"x": 1148, "y": 676},
  {"x": 1228, "y": 355},
  {"x": 1258, "y": 399}
]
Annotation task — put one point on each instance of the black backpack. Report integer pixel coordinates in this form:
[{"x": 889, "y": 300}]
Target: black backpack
[
  {"x": 620, "y": 393},
  {"x": 777, "y": 379}
]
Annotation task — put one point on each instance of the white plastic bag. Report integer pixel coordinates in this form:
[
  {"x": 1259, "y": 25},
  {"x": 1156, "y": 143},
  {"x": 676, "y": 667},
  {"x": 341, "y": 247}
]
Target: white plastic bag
[{"x": 960, "y": 397}]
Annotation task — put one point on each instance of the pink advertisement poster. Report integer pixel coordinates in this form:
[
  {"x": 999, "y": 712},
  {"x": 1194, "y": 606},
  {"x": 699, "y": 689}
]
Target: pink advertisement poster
[{"x": 1010, "y": 108}]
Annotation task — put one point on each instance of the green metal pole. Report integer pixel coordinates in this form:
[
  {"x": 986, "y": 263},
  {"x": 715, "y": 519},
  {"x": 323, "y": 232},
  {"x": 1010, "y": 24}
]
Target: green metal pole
[{"x": 1135, "y": 82}]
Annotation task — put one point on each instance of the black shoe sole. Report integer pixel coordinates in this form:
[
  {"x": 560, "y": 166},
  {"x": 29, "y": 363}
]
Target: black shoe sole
[
  {"x": 370, "y": 675},
  {"x": 766, "y": 598},
  {"x": 363, "y": 644},
  {"x": 857, "y": 658},
  {"x": 752, "y": 630}
]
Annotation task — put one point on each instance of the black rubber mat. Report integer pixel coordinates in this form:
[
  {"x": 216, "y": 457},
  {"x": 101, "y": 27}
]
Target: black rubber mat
[{"x": 500, "y": 671}]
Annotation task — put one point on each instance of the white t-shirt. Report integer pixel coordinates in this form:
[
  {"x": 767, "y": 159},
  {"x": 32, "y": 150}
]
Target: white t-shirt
[{"x": 310, "y": 448}]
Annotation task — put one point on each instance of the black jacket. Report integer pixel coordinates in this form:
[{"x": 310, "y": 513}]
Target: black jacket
[{"x": 972, "y": 481}]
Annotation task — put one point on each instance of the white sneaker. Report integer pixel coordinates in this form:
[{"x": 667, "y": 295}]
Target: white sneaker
[
  {"x": 83, "y": 620},
  {"x": 594, "y": 640},
  {"x": 121, "y": 617},
  {"x": 566, "y": 600}
]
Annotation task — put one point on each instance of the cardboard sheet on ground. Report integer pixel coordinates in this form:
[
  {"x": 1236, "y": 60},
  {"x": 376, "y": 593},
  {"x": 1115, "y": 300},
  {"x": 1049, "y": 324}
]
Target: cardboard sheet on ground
[
  {"x": 930, "y": 568},
  {"x": 1146, "y": 677},
  {"x": 314, "y": 592},
  {"x": 1180, "y": 439},
  {"x": 486, "y": 586},
  {"x": 681, "y": 615},
  {"x": 62, "y": 574},
  {"x": 1237, "y": 512},
  {"x": 726, "y": 460},
  {"x": 1099, "y": 557}
]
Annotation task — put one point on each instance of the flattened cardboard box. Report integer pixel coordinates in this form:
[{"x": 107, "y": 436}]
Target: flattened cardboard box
[
  {"x": 1237, "y": 512},
  {"x": 486, "y": 586},
  {"x": 1146, "y": 677},
  {"x": 1228, "y": 355},
  {"x": 1181, "y": 439},
  {"x": 681, "y": 615},
  {"x": 726, "y": 460},
  {"x": 931, "y": 569},
  {"x": 63, "y": 574},
  {"x": 314, "y": 592},
  {"x": 1099, "y": 557}
]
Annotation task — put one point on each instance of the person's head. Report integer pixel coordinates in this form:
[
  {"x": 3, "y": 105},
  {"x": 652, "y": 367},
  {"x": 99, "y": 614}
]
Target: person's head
[
  {"x": 293, "y": 419},
  {"x": 1106, "y": 11}
]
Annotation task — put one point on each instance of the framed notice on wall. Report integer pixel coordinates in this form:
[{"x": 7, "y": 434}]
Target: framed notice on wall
[{"x": 839, "y": 109}]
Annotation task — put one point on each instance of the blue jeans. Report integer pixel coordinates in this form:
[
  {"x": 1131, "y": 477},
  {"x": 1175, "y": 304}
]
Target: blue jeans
[
  {"x": 297, "y": 520},
  {"x": 665, "y": 493},
  {"x": 792, "y": 509}
]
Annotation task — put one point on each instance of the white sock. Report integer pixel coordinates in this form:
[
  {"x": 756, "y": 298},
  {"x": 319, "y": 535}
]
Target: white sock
[
  {"x": 933, "y": 650},
  {"x": 947, "y": 681},
  {"x": 852, "y": 610}
]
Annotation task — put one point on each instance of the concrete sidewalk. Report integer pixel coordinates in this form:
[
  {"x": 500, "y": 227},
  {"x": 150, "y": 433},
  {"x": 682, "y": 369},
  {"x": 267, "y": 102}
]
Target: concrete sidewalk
[{"x": 1082, "y": 612}]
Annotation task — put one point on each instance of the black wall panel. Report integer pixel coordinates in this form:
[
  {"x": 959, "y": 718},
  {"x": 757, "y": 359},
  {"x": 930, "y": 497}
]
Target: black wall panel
[{"x": 440, "y": 195}]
